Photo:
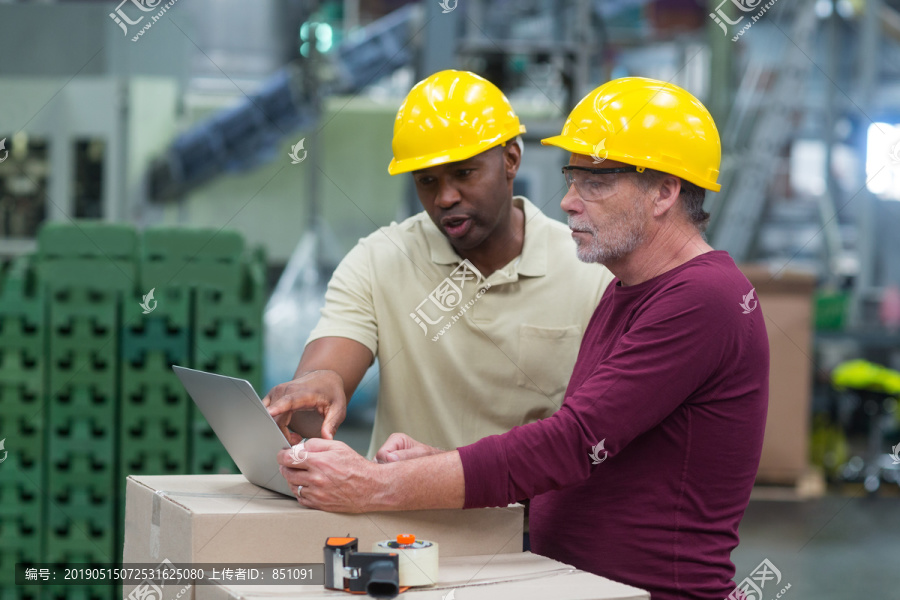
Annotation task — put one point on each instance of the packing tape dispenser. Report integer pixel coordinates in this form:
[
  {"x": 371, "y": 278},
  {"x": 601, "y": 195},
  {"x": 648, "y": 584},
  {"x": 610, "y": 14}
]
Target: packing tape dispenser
[
  {"x": 418, "y": 559},
  {"x": 392, "y": 567}
]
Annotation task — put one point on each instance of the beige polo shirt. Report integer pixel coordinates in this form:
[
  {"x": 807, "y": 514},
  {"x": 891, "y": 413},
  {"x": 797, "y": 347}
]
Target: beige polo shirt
[{"x": 463, "y": 357}]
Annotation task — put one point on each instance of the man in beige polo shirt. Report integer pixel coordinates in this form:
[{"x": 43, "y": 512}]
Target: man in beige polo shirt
[{"x": 475, "y": 307}]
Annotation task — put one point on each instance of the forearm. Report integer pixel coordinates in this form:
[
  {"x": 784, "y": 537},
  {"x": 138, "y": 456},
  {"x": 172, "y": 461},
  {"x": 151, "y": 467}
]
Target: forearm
[
  {"x": 526, "y": 461},
  {"x": 341, "y": 358},
  {"x": 429, "y": 482}
]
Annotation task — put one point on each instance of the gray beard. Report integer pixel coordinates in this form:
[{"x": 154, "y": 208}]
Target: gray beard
[{"x": 611, "y": 245}]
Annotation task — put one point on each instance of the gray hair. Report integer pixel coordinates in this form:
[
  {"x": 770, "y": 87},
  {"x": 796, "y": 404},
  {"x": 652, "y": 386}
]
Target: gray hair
[{"x": 691, "y": 196}]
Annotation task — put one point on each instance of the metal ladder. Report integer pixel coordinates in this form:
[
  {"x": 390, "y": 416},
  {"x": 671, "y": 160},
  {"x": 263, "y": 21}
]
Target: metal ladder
[{"x": 766, "y": 117}]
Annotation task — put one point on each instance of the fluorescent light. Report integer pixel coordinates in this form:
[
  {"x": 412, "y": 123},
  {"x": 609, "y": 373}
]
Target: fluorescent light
[{"x": 883, "y": 160}]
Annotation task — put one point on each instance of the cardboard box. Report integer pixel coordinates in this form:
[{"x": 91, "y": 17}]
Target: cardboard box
[
  {"x": 522, "y": 576},
  {"x": 786, "y": 301},
  {"x": 226, "y": 519}
]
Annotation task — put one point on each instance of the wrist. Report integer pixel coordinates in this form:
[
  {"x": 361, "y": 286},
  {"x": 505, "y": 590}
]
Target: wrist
[
  {"x": 326, "y": 381},
  {"x": 322, "y": 373},
  {"x": 389, "y": 486}
]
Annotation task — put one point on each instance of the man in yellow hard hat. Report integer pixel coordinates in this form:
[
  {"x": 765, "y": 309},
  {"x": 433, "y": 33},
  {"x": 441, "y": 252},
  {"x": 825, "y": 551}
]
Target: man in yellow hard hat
[
  {"x": 474, "y": 307},
  {"x": 644, "y": 473}
]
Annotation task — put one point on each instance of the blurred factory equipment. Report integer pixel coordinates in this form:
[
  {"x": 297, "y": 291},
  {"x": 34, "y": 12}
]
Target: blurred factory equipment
[
  {"x": 876, "y": 390},
  {"x": 757, "y": 133},
  {"x": 70, "y": 162},
  {"x": 244, "y": 135}
]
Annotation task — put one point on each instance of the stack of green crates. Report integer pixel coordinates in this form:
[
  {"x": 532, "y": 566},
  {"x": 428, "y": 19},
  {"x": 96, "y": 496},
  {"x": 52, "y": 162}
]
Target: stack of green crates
[
  {"x": 21, "y": 423},
  {"x": 226, "y": 312},
  {"x": 86, "y": 270},
  {"x": 154, "y": 421},
  {"x": 87, "y": 392}
]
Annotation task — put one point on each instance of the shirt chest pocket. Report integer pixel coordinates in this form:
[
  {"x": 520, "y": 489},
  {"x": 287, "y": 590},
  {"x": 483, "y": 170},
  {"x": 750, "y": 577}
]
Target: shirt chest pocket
[{"x": 546, "y": 357}]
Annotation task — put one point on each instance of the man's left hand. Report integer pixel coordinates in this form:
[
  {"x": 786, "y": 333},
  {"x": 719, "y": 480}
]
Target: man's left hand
[{"x": 329, "y": 475}]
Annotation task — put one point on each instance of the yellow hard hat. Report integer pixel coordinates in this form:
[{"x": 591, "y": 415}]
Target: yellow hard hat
[
  {"x": 864, "y": 375},
  {"x": 646, "y": 123},
  {"x": 450, "y": 116}
]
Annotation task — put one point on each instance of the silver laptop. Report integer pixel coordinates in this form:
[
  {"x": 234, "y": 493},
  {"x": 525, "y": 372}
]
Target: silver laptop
[{"x": 242, "y": 424}]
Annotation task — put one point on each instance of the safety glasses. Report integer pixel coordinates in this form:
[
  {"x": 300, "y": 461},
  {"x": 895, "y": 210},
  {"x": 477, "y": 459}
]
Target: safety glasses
[{"x": 595, "y": 184}]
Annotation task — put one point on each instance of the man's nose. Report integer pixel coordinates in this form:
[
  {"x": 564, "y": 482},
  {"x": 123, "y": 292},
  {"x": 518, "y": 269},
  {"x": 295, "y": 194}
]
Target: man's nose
[
  {"x": 447, "y": 195},
  {"x": 571, "y": 201}
]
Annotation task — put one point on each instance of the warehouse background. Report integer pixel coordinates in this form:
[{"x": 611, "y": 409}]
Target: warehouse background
[{"x": 226, "y": 154}]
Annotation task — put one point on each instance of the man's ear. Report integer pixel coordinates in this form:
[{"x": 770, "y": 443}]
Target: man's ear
[
  {"x": 512, "y": 157},
  {"x": 668, "y": 189}
]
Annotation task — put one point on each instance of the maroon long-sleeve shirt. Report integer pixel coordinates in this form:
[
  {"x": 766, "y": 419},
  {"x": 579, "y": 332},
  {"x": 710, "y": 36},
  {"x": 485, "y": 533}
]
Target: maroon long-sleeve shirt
[{"x": 672, "y": 382}]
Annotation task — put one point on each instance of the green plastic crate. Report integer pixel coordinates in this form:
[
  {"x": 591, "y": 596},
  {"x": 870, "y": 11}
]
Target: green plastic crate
[{"x": 191, "y": 257}]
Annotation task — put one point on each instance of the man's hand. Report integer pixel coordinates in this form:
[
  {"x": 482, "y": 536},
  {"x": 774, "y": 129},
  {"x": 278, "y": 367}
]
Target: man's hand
[
  {"x": 402, "y": 447},
  {"x": 322, "y": 391},
  {"x": 329, "y": 475}
]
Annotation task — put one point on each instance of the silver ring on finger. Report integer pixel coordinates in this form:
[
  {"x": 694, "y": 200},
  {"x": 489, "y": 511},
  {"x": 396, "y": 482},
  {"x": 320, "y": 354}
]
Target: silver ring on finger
[{"x": 299, "y": 489}]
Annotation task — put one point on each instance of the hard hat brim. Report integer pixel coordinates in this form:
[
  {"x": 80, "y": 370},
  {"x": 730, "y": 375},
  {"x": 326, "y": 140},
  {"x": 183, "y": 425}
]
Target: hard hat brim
[
  {"x": 396, "y": 167},
  {"x": 586, "y": 149}
]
